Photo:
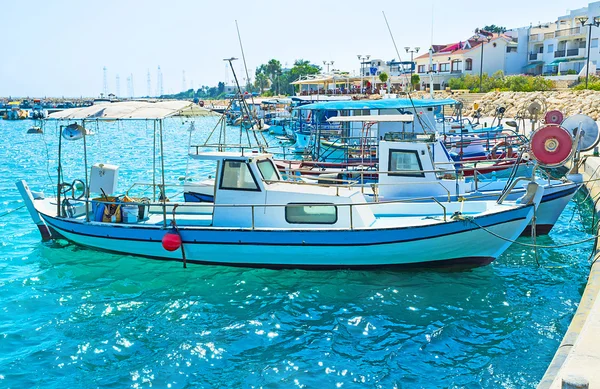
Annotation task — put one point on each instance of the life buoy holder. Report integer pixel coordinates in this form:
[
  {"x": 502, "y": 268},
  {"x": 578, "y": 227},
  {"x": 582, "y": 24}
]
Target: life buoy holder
[
  {"x": 554, "y": 117},
  {"x": 506, "y": 154},
  {"x": 551, "y": 145}
]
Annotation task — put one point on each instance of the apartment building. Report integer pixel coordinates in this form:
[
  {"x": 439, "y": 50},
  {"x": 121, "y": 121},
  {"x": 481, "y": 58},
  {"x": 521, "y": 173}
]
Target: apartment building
[{"x": 560, "y": 47}]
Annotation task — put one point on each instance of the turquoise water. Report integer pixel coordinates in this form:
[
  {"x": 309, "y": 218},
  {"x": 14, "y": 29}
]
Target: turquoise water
[{"x": 74, "y": 317}]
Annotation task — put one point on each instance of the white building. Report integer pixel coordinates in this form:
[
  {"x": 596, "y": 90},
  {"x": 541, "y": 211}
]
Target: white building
[
  {"x": 499, "y": 52},
  {"x": 561, "y": 47}
]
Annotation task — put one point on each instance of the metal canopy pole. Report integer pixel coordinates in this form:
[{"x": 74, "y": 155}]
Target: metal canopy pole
[
  {"x": 58, "y": 176},
  {"x": 162, "y": 173},
  {"x": 85, "y": 165},
  {"x": 154, "y": 164}
]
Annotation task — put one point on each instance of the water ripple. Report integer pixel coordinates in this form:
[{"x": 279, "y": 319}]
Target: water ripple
[{"x": 71, "y": 316}]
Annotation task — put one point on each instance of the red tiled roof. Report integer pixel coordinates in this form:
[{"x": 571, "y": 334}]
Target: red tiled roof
[{"x": 458, "y": 47}]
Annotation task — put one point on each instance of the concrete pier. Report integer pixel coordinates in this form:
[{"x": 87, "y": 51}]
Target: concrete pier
[{"x": 576, "y": 363}]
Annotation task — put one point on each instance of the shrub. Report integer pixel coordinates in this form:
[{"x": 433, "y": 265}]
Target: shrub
[{"x": 498, "y": 81}]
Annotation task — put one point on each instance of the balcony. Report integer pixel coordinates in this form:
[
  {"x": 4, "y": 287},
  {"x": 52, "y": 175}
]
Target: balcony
[
  {"x": 534, "y": 38},
  {"x": 533, "y": 56},
  {"x": 568, "y": 32},
  {"x": 549, "y": 35},
  {"x": 572, "y": 52},
  {"x": 559, "y": 53}
]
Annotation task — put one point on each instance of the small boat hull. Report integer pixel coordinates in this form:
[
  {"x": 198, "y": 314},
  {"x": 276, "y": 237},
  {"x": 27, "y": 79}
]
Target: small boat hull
[{"x": 435, "y": 244}]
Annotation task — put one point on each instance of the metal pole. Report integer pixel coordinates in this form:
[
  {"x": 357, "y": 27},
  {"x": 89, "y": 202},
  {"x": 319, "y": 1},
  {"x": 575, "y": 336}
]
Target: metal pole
[
  {"x": 589, "y": 45},
  {"x": 154, "y": 165},
  {"x": 411, "y": 69},
  {"x": 481, "y": 69},
  {"x": 431, "y": 72},
  {"x": 162, "y": 173},
  {"x": 58, "y": 175},
  {"x": 361, "y": 76},
  {"x": 85, "y": 165}
]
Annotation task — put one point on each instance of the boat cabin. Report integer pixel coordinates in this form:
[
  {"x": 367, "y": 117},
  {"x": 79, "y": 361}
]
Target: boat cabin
[{"x": 249, "y": 192}]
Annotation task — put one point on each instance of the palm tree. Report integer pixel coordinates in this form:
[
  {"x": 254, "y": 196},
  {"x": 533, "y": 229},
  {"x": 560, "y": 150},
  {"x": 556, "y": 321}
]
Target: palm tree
[{"x": 261, "y": 81}]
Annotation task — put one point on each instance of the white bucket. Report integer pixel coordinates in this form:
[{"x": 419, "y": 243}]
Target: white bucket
[{"x": 129, "y": 213}]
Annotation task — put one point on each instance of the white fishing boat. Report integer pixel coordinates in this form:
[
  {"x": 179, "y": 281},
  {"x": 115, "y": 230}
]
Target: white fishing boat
[
  {"x": 257, "y": 219},
  {"x": 422, "y": 168}
]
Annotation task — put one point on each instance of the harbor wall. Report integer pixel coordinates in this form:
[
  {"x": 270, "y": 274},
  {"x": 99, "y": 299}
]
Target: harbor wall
[
  {"x": 576, "y": 363},
  {"x": 569, "y": 102}
]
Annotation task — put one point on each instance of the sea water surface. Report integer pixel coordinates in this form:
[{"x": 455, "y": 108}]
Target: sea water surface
[{"x": 80, "y": 318}]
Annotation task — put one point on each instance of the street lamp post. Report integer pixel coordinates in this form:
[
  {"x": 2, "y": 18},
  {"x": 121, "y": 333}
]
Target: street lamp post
[
  {"x": 412, "y": 64},
  {"x": 595, "y": 21},
  {"x": 482, "y": 40},
  {"x": 362, "y": 59},
  {"x": 327, "y": 63}
]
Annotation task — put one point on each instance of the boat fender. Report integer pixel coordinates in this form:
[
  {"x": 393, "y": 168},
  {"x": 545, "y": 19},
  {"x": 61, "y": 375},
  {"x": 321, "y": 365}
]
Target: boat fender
[
  {"x": 171, "y": 241},
  {"x": 529, "y": 195}
]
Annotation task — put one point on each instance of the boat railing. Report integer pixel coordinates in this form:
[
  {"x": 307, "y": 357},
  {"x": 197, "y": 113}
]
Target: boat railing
[{"x": 174, "y": 207}]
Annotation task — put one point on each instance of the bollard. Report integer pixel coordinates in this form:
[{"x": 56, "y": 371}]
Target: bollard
[{"x": 575, "y": 382}]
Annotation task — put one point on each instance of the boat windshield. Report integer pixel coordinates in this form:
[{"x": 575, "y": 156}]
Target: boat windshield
[{"x": 267, "y": 170}]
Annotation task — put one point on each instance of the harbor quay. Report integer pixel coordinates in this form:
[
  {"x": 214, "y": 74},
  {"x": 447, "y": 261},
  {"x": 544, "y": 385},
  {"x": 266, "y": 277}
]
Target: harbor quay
[{"x": 575, "y": 364}]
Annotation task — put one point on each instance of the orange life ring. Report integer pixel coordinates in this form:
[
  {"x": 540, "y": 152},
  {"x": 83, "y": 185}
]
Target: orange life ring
[{"x": 507, "y": 154}]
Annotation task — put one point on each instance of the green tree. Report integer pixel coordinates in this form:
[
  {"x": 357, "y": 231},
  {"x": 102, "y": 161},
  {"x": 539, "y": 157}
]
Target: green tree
[
  {"x": 221, "y": 87},
  {"x": 273, "y": 70},
  {"x": 301, "y": 68},
  {"x": 415, "y": 80},
  {"x": 495, "y": 29},
  {"x": 261, "y": 81},
  {"x": 383, "y": 77}
]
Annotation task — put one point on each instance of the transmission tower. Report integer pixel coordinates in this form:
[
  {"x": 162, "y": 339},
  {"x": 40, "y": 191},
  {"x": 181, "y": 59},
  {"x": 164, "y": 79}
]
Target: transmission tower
[
  {"x": 118, "y": 82},
  {"x": 149, "y": 84},
  {"x": 131, "y": 78},
  {"x": 105, "y": 89},
  {"x": 159, "y": 82}
]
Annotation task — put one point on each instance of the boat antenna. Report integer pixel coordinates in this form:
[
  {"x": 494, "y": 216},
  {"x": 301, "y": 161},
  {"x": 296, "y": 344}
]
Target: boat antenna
[
  {"x": 400, "y": 59},
  {"x": 243, "y": 57},
  {"x": 244, "y": 105}
]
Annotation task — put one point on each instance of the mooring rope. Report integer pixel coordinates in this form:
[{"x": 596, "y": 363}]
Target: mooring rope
[
  {"x": 529, "y": 244},
  {"x": 12, "y": 210}
]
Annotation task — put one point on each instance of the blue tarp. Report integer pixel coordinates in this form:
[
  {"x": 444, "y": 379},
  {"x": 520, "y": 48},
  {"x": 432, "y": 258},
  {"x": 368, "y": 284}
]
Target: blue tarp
[{"x": 378, "y": 104}]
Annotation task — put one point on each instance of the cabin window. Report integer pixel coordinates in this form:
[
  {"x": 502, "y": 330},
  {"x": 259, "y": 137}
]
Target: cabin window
[
  {"x": 421, "y": 69},
  {"x": 238, "y": 176},
  {"x": 444, "y": 67},
  {"x": 405, "y": 163},
  {"x": 267, "y": 170},
  {"x": 296, "y": 213}
]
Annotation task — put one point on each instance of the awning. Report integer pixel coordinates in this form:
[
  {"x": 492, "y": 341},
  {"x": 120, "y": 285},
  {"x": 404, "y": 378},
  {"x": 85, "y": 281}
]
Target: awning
[
  {"x": 373, "y": 118},
  {"x": 322, "y": 79},
  {"x": 378, "y": 104},
  {"x": 533, "y": 65},
  {"x": 560, "y": 60},
  {"x": 124, "y": 110}
]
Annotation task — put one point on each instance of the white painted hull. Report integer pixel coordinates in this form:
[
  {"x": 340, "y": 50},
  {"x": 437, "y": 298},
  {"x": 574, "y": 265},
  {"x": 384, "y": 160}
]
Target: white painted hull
[{"x": 423, "y": 241}]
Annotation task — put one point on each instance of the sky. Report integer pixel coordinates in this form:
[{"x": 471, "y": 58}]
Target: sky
[{"x": 59, "y": 48}]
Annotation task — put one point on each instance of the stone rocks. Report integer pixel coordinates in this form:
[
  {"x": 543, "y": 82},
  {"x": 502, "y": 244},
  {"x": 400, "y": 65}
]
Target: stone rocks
[{"x": 569, "y": 102}]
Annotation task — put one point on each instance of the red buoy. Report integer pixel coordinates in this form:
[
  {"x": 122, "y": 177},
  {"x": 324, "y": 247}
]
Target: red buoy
[
  {"x": 171, "y": 241},
  {"x": 551, "y": 145},
  {"x": 554, "y": 117}
]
